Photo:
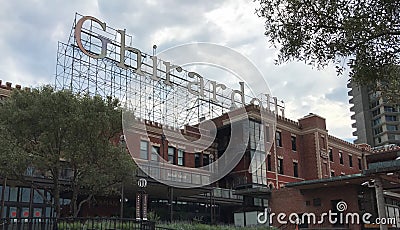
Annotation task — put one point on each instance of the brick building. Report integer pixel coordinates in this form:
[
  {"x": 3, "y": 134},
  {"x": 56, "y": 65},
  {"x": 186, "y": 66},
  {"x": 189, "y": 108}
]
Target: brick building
[{"x": 300, "y": 168}]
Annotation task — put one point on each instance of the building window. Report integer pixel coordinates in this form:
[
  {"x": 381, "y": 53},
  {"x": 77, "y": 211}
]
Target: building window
[
  {"x": 37, "y": 198},
  {"x": 332, "y": 173},
  {"x": 258, "y": 169},
  {"x": 350, "y": 160},
  {"x": 391, "y": 127},
  {"x": 323, "y": 142},
  {"x": 376, "y": 121},
  {"x": 390, "y": 118},
  {"x": 206, "y": 159},
  {"x": 25, "y": 194},
  {"x": 293, "y": 138},
  {"x": 13, "y": 194},
  {"x": 155, "y": 153},
  {"x": 269, "y": 163},
  {"x": 359, "y": 163},
  {"x": 295, "y": 169},
  {"x": 197, "y": 162},
  {"x": 171, "y": 155},
  {"x": 317, "y": 202},
  {"x": 144, "y": 152},
  {"x": 267, "y": 134},
  {"x": 378, "y": 130},
  {"x": 375, "y": 112},
  {"x": 389, "y": 109},
  {"x": 256, "y": 136},
  {"x": 391, "y": 137},
  {"x": 341, "y": 158},
  {"x": 278, "y": 138},
  {"x": 331, "y": 155},
  {"x": 181, "y": 159},
  {"x": 280, "y": 166}
]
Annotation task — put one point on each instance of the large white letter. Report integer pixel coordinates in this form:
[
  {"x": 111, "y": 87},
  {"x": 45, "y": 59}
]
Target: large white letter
[
  {"x": 241, "y": 93},
  {"x": 104, "y": 41},
  {"x": 154, "y": 75},
  {"x": 134, "y": 50},
  {"x": 214, "y": 90},
  {"x": 168, "y": 68},
  {"x": 200, "y": 84}
]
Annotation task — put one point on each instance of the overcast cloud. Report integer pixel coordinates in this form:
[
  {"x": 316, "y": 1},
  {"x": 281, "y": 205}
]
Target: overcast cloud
[{"x": 30, "y": 30}]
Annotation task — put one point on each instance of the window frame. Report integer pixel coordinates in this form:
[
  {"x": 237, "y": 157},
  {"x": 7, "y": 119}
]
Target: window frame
[
  {"x": 280, "y": 166},
  {"x": 155, "y": 153},
  {"x": 293, "y": 140},
  {"x": 181, "y": 159},
  {"x": 295, "y": 169},
  {"x": 197, "y": 160},
  {"x": 173, "y": 156},
  {"x": 278, "y": 141},
  {"x": 350, "y": 161},
  {"x": 341, "y": 161},
  {"x": 144, "y": 151},
  {"x": 330, "y": 154}
]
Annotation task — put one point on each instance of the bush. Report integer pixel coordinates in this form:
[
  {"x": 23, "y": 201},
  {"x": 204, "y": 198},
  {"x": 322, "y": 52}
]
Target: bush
[
  {"x": 198, "y": 226},
  {"x": 102, "y": 224}
]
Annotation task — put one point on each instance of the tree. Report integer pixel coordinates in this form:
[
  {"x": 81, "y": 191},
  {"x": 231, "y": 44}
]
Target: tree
[
  {"x": 56, "y": 132},
  {"x": 363, "y": 35}
]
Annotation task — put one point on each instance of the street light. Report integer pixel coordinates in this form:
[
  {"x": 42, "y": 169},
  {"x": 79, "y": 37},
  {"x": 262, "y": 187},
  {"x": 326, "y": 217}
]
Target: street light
[{"x": 122, "y": 144}]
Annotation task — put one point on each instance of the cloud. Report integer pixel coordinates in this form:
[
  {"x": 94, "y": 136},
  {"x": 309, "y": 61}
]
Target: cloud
[{"x": 30, "y": 31}]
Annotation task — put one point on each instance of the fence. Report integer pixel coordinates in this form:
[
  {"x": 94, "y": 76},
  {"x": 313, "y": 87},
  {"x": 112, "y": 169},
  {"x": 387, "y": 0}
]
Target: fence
[{"x": 77, "y": 224}]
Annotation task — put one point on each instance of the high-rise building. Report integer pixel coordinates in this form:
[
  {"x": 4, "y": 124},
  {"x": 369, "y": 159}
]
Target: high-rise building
[{"x": 377, "y": 122}]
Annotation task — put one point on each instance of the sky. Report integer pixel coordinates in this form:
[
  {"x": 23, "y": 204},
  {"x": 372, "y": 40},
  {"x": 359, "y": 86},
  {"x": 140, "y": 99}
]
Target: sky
[{"x": 30, "y": 31}]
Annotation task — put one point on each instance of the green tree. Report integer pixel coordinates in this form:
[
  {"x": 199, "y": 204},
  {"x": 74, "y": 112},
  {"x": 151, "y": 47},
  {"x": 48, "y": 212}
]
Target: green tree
[
  {"x": 361, "y": 34},
  {"x": 70, "y": 139}
]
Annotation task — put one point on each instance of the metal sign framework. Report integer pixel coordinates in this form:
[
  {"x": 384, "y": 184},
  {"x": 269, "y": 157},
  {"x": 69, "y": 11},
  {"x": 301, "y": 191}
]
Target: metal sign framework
[{"x": 172, "y": 105}]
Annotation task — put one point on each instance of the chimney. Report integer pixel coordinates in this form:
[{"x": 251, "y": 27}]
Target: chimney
[{"x": 8, "y": 85}]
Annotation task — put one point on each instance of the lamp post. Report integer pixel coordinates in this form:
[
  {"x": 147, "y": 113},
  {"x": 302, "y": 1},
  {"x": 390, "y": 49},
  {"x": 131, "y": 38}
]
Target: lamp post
[
  {"x": 122, "y": 143},
  {"x": 141, "y": 200},
  {"x": 122, "y": 201}
]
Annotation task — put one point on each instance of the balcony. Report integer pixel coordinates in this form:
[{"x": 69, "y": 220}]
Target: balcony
[
  {"x": 226, "y": 194},
  {"x": 350, "y": 93},
  {"x": 175, "y": 175}
]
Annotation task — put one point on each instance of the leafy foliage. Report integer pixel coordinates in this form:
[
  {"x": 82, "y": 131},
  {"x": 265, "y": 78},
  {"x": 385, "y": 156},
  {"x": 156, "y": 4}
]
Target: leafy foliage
[
  {"x": 361, "y": 34},
  {"x": 70, "y": 139},
  {"x": 197, "y": 226}
]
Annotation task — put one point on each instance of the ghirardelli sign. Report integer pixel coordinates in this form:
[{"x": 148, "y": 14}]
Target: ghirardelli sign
[
  {"x": 195, "y": 87},
  {"x": 167, "y": 99}
]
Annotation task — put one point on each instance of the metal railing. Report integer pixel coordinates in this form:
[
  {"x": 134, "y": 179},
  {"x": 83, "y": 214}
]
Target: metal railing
[{"x": 77, "y": 224}]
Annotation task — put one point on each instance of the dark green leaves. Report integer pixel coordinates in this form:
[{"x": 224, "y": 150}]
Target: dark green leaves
[{"x": 361, "y": 34}]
